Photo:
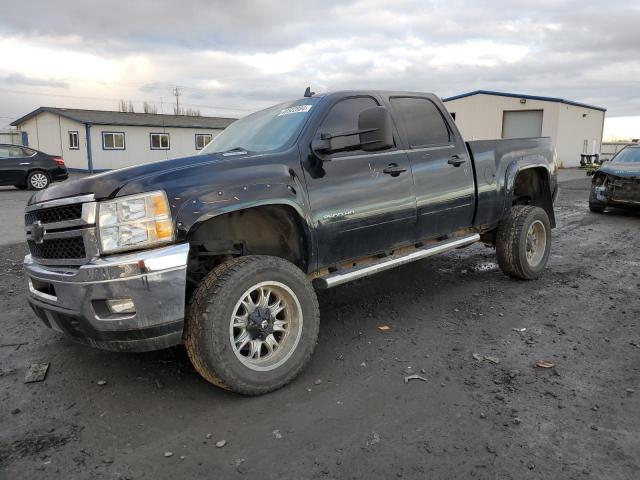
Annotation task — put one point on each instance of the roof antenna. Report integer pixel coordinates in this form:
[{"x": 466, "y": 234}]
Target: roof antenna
[{"x": 308, "y": 93}]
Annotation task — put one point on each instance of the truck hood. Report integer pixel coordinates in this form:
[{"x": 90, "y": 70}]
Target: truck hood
[
  {"x": 621, "y": 169},
  {"x": 107, "y": 184}
]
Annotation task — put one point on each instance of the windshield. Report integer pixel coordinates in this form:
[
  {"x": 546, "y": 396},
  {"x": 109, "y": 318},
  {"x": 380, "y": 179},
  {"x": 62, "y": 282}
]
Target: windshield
[
  {"x": 263, "y": 131},
  {"x": 627, "y": 155}
]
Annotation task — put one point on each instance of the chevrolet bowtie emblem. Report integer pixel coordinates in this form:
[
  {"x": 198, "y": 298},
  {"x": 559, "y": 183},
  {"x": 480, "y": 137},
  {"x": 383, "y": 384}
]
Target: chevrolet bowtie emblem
[{"x": 37, "y": 232}]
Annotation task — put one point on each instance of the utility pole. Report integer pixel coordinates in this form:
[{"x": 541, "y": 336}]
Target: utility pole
[{"x": 176, "y": 93}]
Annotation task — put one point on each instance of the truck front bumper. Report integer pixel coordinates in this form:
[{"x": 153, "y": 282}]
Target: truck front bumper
[{"x": 73, "y": 300}]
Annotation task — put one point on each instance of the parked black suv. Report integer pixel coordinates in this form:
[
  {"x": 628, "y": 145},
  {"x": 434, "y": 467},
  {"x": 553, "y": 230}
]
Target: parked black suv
[{"x": 28, "y": 168}]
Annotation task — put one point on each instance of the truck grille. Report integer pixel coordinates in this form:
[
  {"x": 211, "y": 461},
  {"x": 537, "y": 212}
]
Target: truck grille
[
  {"x": 54, "y": 214},
  {"x": 58, "y": 248},
  {"x": 61, "y": 233}
]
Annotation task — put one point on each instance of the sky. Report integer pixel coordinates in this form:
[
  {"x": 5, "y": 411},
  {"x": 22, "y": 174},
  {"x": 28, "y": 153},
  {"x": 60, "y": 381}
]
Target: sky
[{"x": 232, "y": 58}]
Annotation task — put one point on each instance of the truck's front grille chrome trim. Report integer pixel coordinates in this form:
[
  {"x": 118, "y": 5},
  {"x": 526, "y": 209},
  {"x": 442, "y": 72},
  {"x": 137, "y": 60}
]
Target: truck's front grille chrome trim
[
  {"x": 340, "y": 277},
  {"x": 64, "y": 233}
]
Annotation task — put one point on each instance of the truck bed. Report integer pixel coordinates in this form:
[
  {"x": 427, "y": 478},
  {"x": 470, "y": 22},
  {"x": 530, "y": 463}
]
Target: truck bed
[{"x": 495, "y": 164}]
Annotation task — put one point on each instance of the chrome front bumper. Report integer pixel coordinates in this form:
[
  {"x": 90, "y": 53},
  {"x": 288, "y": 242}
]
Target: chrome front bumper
[{"x": 72, "y": 299}]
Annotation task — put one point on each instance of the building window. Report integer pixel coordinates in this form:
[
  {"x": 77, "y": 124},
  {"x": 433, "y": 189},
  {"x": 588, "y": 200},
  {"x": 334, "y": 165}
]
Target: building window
[
  {"x": 74, "y": 144},
  {"x": 113, "y": 140},
  {"x": 159, "y": 141},
  {"x": 202, "y": 139}
]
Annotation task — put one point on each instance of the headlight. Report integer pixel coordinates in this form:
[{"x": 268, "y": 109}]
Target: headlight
[{"x": 135, "y": 221}]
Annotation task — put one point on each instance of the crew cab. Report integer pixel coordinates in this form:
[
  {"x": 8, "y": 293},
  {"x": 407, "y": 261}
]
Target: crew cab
[
  {"x": 224, "y": 251},
  {"x": 617, "y": 182}
]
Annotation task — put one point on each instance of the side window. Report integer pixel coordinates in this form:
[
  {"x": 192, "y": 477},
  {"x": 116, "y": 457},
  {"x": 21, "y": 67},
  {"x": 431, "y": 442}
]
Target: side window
[
  {"x": 202, "y": 139},
  {"x": 74, "y": 143},
  {"x": 159, "y": 141},
  {"x": 422, "y": 121},
  {"x": 343, "y": 117},
  {"x": 4, "y": 152},
  {"x": 16, "y": 152},
  {"x": 113, "y": 141}
]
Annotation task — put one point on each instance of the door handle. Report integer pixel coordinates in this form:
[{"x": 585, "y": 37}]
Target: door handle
[
  {"x": 25, "y": 163},
  {"x": 456, "y": 160},
  {"x": 394, "y": 169}
]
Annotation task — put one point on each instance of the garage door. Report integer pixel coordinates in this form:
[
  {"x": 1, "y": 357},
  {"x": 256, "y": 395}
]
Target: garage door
[{"x": 522, "y": 124}]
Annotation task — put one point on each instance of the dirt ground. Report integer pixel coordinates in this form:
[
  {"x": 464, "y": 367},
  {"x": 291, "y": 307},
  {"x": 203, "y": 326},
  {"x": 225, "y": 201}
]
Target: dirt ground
[{"x": 484, "y": 411}]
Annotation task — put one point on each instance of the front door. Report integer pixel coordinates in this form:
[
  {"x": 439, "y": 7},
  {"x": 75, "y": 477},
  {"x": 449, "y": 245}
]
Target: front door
[
  {"x": 442, "y": 170},
  {"x": 361, "y": 202}
]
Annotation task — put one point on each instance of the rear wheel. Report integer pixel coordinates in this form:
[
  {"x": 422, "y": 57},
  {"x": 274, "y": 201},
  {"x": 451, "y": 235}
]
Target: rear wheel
[
  {"x": 523, "y": 242},
  {"x": 37, "y": 180},
  {"x": 252, "y": 324}
]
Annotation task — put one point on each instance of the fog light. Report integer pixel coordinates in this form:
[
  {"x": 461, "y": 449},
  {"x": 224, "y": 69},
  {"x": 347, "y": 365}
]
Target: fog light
[{"x": 121, "y": 305}]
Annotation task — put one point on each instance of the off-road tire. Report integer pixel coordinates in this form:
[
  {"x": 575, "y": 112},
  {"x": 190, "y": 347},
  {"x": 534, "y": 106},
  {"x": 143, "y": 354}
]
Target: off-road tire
[
  {"x": 511, "y": 242},
  {"x": 209, "y": 315},
  {"x": 31, "y": 184},
  {"x": 595, "y": 205}
]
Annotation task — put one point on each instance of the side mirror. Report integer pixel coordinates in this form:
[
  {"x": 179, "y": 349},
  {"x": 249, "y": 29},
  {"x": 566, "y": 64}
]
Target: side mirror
[{"x": 376, "y": 132}]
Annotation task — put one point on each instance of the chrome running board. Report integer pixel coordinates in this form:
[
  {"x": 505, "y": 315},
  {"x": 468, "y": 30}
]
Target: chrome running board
[{"x": 344, "y": 276}]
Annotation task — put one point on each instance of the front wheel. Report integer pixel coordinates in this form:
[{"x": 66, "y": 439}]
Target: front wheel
[
  {"x": 252, "y": 324},
  {"x": 523, "y": 242}
]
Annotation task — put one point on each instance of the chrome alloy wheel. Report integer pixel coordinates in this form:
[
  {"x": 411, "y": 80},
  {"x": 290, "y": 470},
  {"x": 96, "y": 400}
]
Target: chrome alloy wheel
[
  {"x": 39, "y": 180},
  {"x": 265, "y": 326},
  {"x": 536, "y": 243}
]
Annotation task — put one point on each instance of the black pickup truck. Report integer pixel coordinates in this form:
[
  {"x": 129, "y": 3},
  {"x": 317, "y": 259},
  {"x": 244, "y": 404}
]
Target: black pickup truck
[{"x": 222, "y": 251}]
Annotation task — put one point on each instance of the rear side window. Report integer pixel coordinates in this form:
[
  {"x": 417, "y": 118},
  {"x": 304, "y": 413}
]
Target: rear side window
[
  {"x": 343, "y": 117},
  {"x": 422, "y": 121}
]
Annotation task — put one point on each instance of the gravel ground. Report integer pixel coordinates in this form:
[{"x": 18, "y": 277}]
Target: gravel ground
[{"x": 483, "y": 412}]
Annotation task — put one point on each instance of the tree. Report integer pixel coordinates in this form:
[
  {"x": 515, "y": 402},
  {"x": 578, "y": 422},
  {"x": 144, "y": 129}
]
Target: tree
[
  {"x": 125, "y": 106},
  {"x": 149, "y": 108}
]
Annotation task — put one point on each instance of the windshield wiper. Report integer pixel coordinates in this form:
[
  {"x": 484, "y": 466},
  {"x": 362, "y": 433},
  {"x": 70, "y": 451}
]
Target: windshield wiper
[{"x": 235, "y": 151}]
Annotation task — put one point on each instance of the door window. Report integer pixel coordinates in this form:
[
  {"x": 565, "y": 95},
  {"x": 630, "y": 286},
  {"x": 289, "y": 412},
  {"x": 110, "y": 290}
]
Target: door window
[
  {"x": 422, "y": 121},
  {"x": 343, "y": 117}
]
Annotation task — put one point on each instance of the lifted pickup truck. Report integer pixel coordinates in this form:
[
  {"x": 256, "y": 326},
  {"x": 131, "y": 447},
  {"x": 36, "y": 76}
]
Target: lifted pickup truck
[{"x": 222, "y": 250}]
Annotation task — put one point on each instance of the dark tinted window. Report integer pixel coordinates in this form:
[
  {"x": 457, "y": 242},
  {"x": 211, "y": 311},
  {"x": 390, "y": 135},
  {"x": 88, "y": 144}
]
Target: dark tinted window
[
  {"x": 8, "y": 151},
  {"x": 343, "y": 117},
  {"x": 421, "y": 120}
]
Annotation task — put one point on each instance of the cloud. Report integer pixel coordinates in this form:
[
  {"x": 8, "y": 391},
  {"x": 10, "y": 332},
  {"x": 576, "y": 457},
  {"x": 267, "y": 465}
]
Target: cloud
[
  {"x": 23, "y": 80},
  {"x": 233, "y": 57}
]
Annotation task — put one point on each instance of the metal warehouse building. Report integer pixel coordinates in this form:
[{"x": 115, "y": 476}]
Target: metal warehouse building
[
  {"x": 575, "y": 128},
  {"x": 97, "y": 140}
]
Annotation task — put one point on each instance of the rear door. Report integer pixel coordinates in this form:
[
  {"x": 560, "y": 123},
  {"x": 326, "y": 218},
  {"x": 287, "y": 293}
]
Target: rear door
[
  {"x": 361, "y": 202},
  {"x": 442, "y": 170}
]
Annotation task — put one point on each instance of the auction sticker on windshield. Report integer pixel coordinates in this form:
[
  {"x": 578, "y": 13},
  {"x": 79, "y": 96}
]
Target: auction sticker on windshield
[{"x": 296, "y": 109}]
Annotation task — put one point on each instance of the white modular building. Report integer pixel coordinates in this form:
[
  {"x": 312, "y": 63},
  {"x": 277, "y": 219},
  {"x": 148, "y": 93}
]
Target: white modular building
[
  {"x": 98, "y": 140},
  {"x": 575, "y": 128}
]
